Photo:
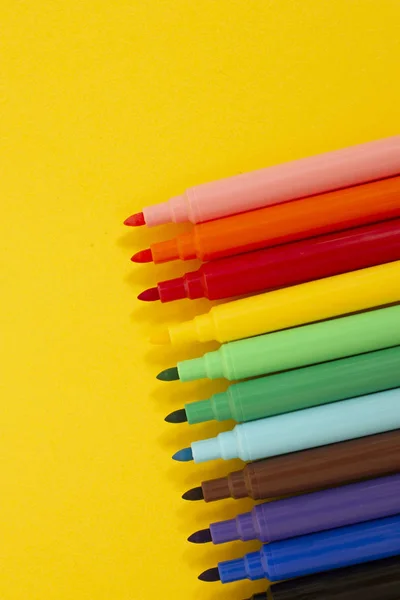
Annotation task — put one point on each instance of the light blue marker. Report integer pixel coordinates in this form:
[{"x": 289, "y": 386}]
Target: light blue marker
[{"x": 309, "y": 428}]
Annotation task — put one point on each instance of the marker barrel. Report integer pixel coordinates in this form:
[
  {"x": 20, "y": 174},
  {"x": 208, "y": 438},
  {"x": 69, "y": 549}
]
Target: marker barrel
[
  {"x": 303, "y": 429},
  {"x": 378, "y": 580},
  {"x": 308, "y": 470},
  {"x": 301, "y": 388},
  {"x": 288, "y": 264},
  {"x": 271, "y": 226},
  {"x": 297, "y": 305},
  {"x": 311, "y": 175},
  {"x": 297, "y": 347},
  {"x": 317, "y": 552},
  {"x": 309, "y": 513}
]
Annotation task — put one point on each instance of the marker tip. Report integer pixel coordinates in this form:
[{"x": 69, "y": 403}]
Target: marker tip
[
  {"x": 178, "y": 416},
  {"x": 194, "y": 494},
  {"x": 160, "y": 337},
  {"x": 143, "y": 256},
  {"x": 136, "y": 220},
  {"x": 170, "y": 374},
  {"x": 210, "y": 575},
  {"x": 184, "y": 455},
  {"x": 200, "y": 537},
  {"x": 150, "y": 295}
]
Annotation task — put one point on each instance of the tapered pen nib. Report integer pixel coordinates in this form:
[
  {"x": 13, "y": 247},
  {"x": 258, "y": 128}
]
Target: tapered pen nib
[
  {"x": 150, "y": 295},
  {"x": 194, "y": 494},
  {"x": 184, "y": 455},
  {"x": 201, "y": 537},
  {"x": 178, "y": 416},
  {"x": 170, "y": 374},
  {"x": 160, "y": 337},
  {"x": 136, "y": 220},
  {"x": 144, "y": 256},
  {"x": 210, "y": 575}
]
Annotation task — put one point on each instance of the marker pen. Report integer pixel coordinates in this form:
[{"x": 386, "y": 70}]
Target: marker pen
[
  {"x": 315, "y": 553},
  {"x": 308, "y": 470},
  {"x": 288, "y": 264},
  {"x": 301, "y": 219},
  {"x": 377, "y": 580},
  {"x": 303, "y": 429},
  {"x": 297, "y": 347},
  {"x": 297, "y": 389},
  {"x": 312, "y": 175},
  {"x": 309, "y": 513},
  {"x": 297, "y": 305}
]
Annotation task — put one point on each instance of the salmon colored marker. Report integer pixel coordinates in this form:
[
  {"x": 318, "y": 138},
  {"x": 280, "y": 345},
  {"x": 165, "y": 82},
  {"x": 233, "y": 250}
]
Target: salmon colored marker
[
  {"x": 285, "y": 265},
  {"x": 288, "y": 181},
  {"x": 316, "y": 215},
  {"x": 289, "y": 307}
]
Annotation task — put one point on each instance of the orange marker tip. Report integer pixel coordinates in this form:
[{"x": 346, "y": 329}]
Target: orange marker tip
[
  {"x": 136, "y": 220},
  {"x": 160, "y": 337},
  {"x": 144, "y": 256}
]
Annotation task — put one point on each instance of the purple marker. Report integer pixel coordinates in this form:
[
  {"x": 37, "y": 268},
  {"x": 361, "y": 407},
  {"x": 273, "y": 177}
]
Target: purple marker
[{"x": 309, "y": 513}]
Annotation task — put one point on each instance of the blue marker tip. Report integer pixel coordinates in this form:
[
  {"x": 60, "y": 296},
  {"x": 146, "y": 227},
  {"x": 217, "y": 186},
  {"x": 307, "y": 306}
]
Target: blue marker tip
[{"x": 184, "y": 455}]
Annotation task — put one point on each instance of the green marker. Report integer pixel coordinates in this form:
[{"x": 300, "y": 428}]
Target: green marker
[
  {"x": 293, "y": 348},
  {"x": 298, "y": 389}
]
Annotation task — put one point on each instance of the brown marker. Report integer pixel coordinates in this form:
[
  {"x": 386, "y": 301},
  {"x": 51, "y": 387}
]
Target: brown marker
[{"x": 308, "y": 470}]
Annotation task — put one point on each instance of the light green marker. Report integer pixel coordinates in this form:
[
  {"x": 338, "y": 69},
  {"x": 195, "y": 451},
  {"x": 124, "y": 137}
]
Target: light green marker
[{"x": 293, "y": 348}]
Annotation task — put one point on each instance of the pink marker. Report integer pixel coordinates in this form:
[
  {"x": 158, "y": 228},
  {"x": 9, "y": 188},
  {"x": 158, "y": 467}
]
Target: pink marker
[{"x": 273, "y": 185}]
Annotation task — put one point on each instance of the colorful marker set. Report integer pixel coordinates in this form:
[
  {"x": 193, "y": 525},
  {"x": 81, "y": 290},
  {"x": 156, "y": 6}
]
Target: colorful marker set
[{"x": 315, "y": 361}]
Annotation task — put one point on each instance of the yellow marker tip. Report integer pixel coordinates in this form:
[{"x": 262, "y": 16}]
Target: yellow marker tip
[{"x": 160, "y": 337}]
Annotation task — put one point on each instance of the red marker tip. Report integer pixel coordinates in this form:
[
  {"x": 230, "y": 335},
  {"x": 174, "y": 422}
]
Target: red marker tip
[
  {"x": 144, "y": 256},
  {"x": 136, "y": 220},
  {"x": 150, "y": 295}
]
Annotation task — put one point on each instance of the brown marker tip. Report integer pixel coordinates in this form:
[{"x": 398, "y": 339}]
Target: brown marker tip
[{"x": 194, "y": 494}]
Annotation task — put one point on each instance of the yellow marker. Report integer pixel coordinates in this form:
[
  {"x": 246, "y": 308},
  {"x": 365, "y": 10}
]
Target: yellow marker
[{"x": 289, "y": 307}]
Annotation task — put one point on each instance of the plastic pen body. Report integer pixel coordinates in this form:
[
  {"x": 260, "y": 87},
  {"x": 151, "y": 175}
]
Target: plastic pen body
[
  {"x": 267, "y": 227},
  {"x": 297, "y": 305},
  {"x": 317, "y": 552},
  {"x": 312, "y": 175},
  {"x": 303, "y": 429},
  {"x": 301, "y": 388},
  {"x": 289, "y": 264},
  {"x": 297, "y": 347},
  {"x": 308, "y": 470},
  {"x": 309, "y": 513},
  {"x": 378, "y": 580}
]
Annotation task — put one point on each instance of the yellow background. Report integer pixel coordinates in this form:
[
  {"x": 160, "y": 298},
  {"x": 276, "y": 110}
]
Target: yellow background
[{"x": 106, "y": 107}]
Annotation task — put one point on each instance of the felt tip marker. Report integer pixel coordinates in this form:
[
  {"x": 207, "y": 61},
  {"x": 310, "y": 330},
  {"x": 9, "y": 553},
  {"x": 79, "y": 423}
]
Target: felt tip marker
[
  {"x": 308, "y": 470},
  {"x": 282, "y": 266},
  {"x": 309, "y": 428},
  {"x": 316, "y": 215},
  {"x": 297, "y": 389},
  {"x": 289, "y": 307},
  {"x": 309, "y": 513},
  {"x": 377, "y": 580},
  {"x": 304, "y": 177},
  {"x": 293, "y": 348},
  {"x": 314, "y": 553}
]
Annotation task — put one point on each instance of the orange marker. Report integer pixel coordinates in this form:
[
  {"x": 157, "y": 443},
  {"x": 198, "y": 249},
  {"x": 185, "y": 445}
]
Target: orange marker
[{"x": 300, "y": 219}]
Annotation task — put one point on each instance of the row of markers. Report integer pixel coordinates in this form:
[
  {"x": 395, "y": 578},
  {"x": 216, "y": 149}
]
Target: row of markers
[{"x": 319, "y": 352}]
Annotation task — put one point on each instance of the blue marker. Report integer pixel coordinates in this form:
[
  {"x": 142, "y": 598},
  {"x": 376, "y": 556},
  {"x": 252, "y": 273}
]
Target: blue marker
[
  {"x": 308, "y": 428},
  {"x": 314, "y": 553}
]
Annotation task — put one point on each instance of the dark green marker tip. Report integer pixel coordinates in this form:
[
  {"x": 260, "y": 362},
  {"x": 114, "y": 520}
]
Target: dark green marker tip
[
  {"x": 178, "y": 416},
  {"x": 169, "y": 374}
]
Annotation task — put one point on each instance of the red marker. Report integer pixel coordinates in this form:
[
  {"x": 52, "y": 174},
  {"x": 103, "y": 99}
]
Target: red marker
[{"x": 285, "y": 265}]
